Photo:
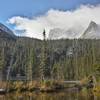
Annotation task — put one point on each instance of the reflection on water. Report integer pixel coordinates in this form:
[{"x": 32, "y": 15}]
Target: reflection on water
[{"x": 50, "y": 96}]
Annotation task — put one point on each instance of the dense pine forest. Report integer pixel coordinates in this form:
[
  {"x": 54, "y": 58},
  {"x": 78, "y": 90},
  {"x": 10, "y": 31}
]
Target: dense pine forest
[{"x": 62, "y": 59}]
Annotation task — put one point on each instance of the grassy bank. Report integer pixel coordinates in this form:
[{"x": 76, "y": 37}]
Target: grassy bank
[{"x": 42, "y": 86}]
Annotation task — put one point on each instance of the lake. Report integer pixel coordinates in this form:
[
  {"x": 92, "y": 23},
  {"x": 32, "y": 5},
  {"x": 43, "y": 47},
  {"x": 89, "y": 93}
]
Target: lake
[{"x": 68, "y": 95}]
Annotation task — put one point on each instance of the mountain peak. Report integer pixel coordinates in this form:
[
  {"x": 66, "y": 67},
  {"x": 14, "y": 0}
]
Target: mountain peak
[
  {"x": 92, "y": 32},
  {"x": 92, "y": 24}
]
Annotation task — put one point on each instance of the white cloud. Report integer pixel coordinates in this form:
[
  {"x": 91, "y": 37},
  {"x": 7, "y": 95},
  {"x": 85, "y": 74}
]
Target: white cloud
[{"x": 77, "y": 18}]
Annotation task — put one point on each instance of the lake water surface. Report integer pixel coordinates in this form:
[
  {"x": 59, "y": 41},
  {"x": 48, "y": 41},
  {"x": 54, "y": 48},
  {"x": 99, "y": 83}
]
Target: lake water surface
[{"x": 50, "y": 96}]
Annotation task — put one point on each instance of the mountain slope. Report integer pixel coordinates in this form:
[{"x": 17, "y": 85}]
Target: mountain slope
[
  {"x": 58, "y": 33},
  {"x": 92, "y": 32},
  {"x": 5, "y": 32}
]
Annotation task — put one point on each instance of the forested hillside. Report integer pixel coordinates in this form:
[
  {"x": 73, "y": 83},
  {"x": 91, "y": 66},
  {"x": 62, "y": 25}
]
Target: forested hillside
[{"x": 65, "y": 59}]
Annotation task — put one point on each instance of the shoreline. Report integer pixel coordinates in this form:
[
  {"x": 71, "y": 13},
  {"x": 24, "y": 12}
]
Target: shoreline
[{"x": 47, "y": 86}]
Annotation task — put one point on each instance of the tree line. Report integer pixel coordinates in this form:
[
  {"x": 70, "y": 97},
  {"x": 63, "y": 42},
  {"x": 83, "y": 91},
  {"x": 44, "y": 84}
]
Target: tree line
[{"x": 62, "y": 59}]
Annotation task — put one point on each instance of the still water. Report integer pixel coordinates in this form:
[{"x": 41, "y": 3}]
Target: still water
[{"x": 50, "y": 96}]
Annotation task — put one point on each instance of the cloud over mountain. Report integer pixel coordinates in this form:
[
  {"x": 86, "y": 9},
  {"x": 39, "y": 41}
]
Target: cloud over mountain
[{"x": 78, "y": 18}]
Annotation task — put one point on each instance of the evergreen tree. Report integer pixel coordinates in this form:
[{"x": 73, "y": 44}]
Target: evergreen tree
[
  {"x": 2, "y": 63},
  {"x": 30, "y": 65},
  {"x": 43, "y": 60},
  {"x": 1, "y": 59}
]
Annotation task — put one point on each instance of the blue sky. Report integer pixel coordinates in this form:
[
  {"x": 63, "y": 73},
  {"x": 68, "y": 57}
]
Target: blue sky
[
  {"x": 9, "y": 8},
  {"x": 34, "y": 8}
]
